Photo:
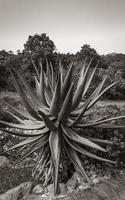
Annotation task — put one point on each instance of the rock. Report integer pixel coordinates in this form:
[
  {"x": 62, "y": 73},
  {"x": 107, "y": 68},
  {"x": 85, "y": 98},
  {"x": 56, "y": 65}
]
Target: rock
[
  {"x": 107, "y": 189},
  {"x": 50, "y": 188},
  {"x": 63, "y": 188},
  {"x": 16, "y": 193},
  {"x": 32, "y": 197},
  {"x": 4, "y": 162},
  {"x": 63, "y": 191},
  {"x": 113, "y": 188},
  {"x": 38, "y": 189},
  {"x": 73, "y": 182}
]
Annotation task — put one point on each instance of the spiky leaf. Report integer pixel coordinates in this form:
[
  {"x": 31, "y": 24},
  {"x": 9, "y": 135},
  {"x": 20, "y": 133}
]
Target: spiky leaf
[
  {"x": 54, "y": 141},
  {"x": 75, "y": 137}
]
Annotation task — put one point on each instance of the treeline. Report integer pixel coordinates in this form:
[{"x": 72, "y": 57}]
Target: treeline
[{"x": 40, "y": 47}]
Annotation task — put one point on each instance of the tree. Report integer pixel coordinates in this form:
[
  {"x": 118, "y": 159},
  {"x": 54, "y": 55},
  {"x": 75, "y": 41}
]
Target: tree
[
  {"x": 90, "y": 53},
  {"x": 87, "y": 51},
  {"x": 39, "y": 45},
  {"x": 4, "y": 72}
]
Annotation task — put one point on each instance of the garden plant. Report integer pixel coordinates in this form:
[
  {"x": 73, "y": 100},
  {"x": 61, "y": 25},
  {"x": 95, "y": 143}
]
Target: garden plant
[{"x": 52, "y": 117}]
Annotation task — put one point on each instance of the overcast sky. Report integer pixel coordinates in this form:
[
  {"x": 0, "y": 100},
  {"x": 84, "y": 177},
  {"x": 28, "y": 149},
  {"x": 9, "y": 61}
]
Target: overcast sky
[{"x": 69, "y": 23}]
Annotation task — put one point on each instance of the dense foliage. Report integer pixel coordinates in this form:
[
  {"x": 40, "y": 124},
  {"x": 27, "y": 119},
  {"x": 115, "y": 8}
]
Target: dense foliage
[{"x": 41, "y": 46}]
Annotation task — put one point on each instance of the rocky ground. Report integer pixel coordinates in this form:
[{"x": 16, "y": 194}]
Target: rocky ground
[
  {"x": 107, "y": 187},
  {"x": 104, "y": 188}
]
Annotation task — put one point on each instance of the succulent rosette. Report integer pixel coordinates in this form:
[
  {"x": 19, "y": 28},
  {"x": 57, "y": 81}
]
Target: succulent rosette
[{"x": 52, "y": 115}]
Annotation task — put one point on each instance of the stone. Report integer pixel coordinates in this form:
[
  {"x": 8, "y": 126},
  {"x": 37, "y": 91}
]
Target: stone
[
  {"x": 100, "y": 193},
  {"x": 122, "y": 195},
  {"x": 38, "y": 189},
  {"x": 16, "y": 193},
  {"x": 73, "y": 182},
  {"x": 110, "y": 189},
  {"x": 4, "y": 162},
  {"x": 50, "y": 188},
  {"x": 63, "y": 191},
  {"x": 32, "y": 197},
  {"x": 63, "y": 188}
]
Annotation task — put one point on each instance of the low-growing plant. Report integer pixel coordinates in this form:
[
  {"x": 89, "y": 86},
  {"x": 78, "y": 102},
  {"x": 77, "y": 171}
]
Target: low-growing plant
[{"x": 53, "y": 115}]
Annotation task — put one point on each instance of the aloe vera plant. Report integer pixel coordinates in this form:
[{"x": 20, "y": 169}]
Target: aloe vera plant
[{"x": 53, "y": 114}]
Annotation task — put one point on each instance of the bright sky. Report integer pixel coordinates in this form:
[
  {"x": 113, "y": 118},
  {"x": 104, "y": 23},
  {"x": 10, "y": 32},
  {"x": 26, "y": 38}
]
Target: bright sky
[{"x": 69, "y": 23}]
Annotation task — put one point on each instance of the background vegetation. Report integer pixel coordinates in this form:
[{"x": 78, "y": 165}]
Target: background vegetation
[{"x": 41, "y": 46}]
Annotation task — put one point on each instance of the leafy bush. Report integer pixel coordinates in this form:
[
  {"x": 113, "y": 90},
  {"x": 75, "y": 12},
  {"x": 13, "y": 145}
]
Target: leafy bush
[
  {"x": 114, "y": 74},
  {"x": 55, "y": 114}
]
